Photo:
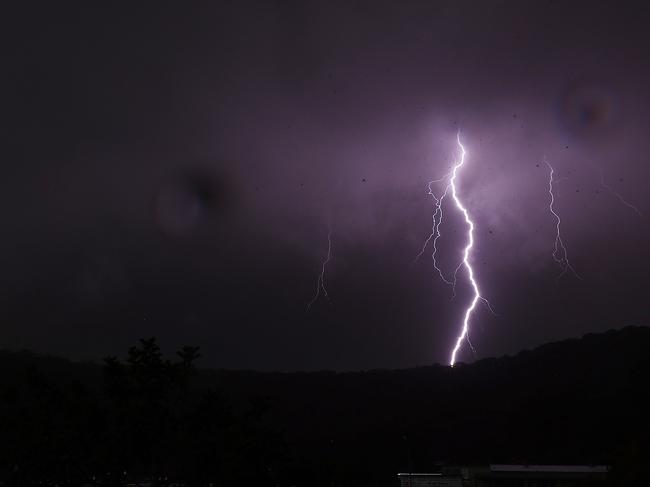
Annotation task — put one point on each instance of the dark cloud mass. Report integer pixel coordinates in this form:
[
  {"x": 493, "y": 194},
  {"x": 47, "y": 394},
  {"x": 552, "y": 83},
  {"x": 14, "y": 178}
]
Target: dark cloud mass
[{"x": 173, "y": 169}]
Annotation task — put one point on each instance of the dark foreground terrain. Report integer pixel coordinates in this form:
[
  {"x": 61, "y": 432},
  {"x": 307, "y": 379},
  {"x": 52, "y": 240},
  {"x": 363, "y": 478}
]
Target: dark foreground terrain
[{"x": 142, "y": 417}]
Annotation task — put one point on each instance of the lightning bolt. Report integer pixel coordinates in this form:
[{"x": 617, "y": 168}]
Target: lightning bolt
[
  {"x": 617, "y": 194},
  {"x": 320, "y": 282},
  {"x": 560, "y": 254},
  {"x": 465, "y": 262},
  {"x": 464, "y": 334}
]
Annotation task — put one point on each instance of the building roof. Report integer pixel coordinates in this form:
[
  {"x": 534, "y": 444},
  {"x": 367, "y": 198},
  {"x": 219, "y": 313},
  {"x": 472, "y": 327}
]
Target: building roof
[
  {"x": 551, "y": 468},
  {"x": 413, "y": 474}
]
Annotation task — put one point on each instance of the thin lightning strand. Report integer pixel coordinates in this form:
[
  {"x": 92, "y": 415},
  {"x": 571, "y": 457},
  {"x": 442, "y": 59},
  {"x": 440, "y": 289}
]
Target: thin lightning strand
[
  {"x": 435, "y": 231},
  {"x": 437, "y": 236},
  {"x": 618, "y": 195},
  {"x": 469, "y": 342},
  {"x": 433, "y": 228},
  {"x": 320, "y": 283},
  {"x": 436, "y": 224},
  {"x": 466, "y": 254},
  {"x": 559, "y": 253}
]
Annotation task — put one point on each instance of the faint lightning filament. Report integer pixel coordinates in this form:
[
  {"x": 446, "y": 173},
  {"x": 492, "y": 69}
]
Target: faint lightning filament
[
  {"x": 320, "y": 282},
  {"x": 559, "y": 253},
  {"x": 618, "y": 195}
]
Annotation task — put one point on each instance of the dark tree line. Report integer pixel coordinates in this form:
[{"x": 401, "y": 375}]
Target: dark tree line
[
  {"x": 147, "y": 421},
  {"x": 148, "y": 417}
]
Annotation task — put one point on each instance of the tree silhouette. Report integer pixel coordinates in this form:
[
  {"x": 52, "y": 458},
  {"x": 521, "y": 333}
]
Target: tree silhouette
[{"x": 149, "y": 400}]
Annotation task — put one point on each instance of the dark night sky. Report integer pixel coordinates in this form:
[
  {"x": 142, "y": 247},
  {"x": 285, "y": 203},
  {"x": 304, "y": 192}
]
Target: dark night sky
[{"x": 172, "y": 170}]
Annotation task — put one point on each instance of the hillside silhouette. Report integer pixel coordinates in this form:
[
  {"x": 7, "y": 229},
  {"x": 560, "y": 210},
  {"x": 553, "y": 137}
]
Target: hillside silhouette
[{"x": 579, "y": 401}]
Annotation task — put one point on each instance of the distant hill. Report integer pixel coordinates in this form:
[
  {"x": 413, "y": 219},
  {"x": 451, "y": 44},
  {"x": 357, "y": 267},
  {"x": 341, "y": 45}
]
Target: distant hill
[{"x": 575, "y": 401}]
